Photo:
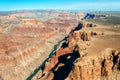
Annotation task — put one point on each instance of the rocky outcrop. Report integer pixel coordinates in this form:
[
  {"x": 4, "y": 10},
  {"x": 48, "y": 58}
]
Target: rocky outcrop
[
  {"x": 25, "y": 44},
  {"x": 13, "y": 50},
  {"x": 68, "y": 50},
  {"x": 62, "y": 25},
  {"x": 33, "y": 22},
  {"x": 104, "y": 67},
  {"x": 54, "y": 60},
  {"x": 30, "y": 31},
  {"x": 59, "y": 62},
  {"x": 75, "y": 64},
  {"x": 88, "y": 24}
]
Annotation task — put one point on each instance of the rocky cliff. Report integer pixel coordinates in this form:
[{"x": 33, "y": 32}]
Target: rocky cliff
[
  {"x": 74, "y": 61},
  {"x": 27, "y": 38},
  {"x": 103, "y": 67},
  {"x": 24, "y": 46}
]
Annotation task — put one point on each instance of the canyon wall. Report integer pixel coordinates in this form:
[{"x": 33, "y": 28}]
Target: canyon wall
[
  {"x": 25, "y": 46},
  {"x": 104, "y": 67},
  {"x": 73, "y": 61},
  {"x": 87, "y": 52}
]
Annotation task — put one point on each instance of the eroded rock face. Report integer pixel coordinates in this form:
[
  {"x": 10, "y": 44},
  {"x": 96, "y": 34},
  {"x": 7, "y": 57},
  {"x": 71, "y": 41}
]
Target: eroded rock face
[
  {"x": 54, "y": 60},
  {"x": 88, "y": 24},
  {"x": 77, "y": 65},
  {"x": 31, "y": 22},
  {"x": 24, "y": 46},
  {"x": 25, "y": 41},
  {"x": 62, "y": 61},
  {"x": 105, "y": 67},
  {"x": 81, "y": 37}
]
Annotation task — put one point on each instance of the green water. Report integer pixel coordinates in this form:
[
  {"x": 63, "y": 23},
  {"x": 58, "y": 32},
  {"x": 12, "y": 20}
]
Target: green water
[{"x": 42, "y": 65}]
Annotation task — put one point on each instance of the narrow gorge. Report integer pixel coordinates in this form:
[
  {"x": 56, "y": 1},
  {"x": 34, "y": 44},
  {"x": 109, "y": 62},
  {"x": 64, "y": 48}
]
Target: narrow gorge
[
  {"x": 59, "y": 45},
  {"x": 77, "y": 59}
]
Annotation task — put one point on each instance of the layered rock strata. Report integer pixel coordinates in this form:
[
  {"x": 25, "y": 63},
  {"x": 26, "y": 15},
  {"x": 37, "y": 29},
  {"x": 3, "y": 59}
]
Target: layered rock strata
[{"x": 76, "y": 64}]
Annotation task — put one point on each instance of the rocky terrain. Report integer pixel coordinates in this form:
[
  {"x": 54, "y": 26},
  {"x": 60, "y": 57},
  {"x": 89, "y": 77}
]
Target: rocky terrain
[
  {"x": 26, "y": 41},
  {"x": 91, "y": 51},
  {"x": 57, "y": 45}
]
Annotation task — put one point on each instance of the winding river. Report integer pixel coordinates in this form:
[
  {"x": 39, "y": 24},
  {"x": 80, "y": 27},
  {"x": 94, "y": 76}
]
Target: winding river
[{"x": 46, "y": 60}]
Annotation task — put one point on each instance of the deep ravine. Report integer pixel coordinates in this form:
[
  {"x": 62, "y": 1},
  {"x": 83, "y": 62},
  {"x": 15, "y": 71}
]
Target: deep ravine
[{"x": 42, "y": 65}]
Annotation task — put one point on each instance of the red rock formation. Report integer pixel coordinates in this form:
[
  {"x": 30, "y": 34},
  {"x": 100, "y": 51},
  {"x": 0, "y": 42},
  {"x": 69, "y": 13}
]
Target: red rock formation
[
  {"x": 88, "y": 24},
  {"x": 10, "y": 49},
  {"x": 29, "y": 21},
  {"x": 102, "y": 67},
  {"x": 54, "y": 60},
  {"x": 32, "y": 23}
]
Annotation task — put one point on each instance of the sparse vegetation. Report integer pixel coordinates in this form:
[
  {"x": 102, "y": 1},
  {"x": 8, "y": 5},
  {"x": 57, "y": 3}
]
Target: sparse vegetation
[{"x": 112, "y": 18}]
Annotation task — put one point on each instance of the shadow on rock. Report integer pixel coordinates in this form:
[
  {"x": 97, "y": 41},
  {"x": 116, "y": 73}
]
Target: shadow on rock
[{"x": 62, "y": 72}]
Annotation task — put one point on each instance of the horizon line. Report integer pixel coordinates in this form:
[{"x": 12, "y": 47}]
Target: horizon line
[{"x": 58, "y": 9}]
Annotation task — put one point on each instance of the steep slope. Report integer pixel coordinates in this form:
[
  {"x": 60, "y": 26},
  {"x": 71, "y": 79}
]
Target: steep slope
[
  {"x": 82, "y": 56},
  {"x": 25, "y": 46}
]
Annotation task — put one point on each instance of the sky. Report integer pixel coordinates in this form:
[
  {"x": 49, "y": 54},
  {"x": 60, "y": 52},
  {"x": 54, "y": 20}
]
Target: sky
[{"x": 111, "y": 5}]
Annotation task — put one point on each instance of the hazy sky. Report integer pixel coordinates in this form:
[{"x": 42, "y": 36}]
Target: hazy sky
[{"x": 60, "y": 4}]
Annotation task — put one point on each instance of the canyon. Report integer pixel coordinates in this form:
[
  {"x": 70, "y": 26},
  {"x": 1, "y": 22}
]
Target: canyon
[
  {"x": 82, "y": 56},
  {"x": 26, "y": 42},
  {"x": 55, "y": 45}
]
